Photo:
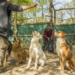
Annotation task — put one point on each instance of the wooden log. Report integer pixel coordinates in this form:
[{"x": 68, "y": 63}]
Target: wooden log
[
  {"x": 65, "y": 9},
  {"x": 71, "y": 34},
  {"x": 33, "y": 23},
  {"x": 42, "y": 35},
  {"x": 44, "y": 23},
  {"x": 65, "y": 24}
]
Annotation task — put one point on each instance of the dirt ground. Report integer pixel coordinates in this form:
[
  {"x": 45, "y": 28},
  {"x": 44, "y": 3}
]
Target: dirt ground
[{"x": 51, "y": 67}]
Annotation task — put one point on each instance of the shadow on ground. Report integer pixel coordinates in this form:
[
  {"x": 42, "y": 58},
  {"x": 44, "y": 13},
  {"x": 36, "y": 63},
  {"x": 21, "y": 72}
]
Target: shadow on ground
[{"x": 51, "y": 67}]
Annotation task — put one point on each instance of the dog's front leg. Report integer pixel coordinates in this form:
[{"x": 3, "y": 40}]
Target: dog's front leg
[
  {"x": 60, "y": 63},
  {"x": 19, "y": 59},
  {"x": 30, "y": 58},
  {"x": 36, "y": 62},
  {"x": 63, "y": 63},
  {"x": 4, "y": 64}
]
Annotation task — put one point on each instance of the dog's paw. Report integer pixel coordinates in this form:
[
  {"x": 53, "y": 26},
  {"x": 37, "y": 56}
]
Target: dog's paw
[
  {"x": 43, "y": 65},
  {"x": 71, "y": 71},
  {"x": 59, "y": 68},
  {"x": 35, "y": 69},
  {"x": 40, "y": 67},
  {"x": 17, "y": 63},
  {"x": 62, "y": 72},
  {"x": 4, "y": 65},
  {"x": 27, "y": 68}
]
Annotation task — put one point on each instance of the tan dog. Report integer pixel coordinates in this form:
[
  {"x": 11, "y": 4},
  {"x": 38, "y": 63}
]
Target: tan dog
[
  {"x": 19, "y": 53},
  {"x": 65, "y": 55}
]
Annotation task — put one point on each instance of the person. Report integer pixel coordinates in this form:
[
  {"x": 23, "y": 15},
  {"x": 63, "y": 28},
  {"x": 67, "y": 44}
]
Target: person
[
  {"x": 5, "y": 23},
  {"x": 48, "y": 39}
]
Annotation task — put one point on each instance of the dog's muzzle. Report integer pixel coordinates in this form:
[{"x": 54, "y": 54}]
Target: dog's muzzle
[
  {"x": 14, "y": 38},
  {"x": 34, "y": 31}
]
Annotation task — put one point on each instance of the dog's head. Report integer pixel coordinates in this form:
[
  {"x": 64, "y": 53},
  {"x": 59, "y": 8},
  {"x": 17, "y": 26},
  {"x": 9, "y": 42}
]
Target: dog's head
[
  {"x": 60, "y": 34},
  {"x": 17, "y": 41},
  {"x": 37, "y": 34}
]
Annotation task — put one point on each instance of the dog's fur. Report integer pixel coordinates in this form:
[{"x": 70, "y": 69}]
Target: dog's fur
[
  {"x": 19, "y": 53},
  {"x": 65, "y": 55},
  {"x": 7, "y": 54},
  {"x": 36, "y": 51}
]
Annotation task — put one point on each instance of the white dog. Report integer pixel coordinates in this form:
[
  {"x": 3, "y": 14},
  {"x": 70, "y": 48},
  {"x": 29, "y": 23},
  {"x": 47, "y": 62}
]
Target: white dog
[{"x": 36, "y": 51}]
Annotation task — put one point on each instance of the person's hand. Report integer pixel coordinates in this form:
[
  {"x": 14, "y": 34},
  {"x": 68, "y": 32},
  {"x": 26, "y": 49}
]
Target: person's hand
[
  {"x": 48, "y": 39},
  {"x": 35, "y": 4},
  {"x": 51, "y": 38}
]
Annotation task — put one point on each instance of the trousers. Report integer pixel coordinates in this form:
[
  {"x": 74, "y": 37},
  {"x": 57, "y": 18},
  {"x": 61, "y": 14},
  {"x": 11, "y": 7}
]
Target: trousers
[
  {"x": 3, "y": 48},
  {"x": 47, "y": 45}
]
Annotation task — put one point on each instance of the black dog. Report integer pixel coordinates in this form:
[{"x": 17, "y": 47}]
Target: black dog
[
  {"x": 9, "y": 48},
  {"x": 8, "y": 52}
]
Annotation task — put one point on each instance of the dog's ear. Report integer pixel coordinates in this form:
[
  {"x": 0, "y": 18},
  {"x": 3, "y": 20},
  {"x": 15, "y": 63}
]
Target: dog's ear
[
  {"x": 63, "y": 34},
  {"x": 14, "y": 38},
  {"x": 20, "y": 40}
]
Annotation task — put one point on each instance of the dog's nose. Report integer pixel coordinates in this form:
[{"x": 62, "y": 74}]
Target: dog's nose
[
  {"x": 33, "y": 30},
  {"x": 14, "y": 38}
]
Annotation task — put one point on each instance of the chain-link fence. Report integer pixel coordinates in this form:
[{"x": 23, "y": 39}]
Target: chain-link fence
[{"x": 25, "y": 32}]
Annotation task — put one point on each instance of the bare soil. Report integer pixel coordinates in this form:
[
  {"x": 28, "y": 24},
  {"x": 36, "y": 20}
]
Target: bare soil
[{"x": 51, "y": 67}]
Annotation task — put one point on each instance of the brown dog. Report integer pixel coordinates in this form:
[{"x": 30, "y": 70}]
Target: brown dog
[
  {"x": 19, "y": 53},
  {"x": 65, "y": 55}
]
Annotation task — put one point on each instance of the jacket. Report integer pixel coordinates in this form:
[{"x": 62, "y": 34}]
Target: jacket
[{"x": 5, "y": 19}]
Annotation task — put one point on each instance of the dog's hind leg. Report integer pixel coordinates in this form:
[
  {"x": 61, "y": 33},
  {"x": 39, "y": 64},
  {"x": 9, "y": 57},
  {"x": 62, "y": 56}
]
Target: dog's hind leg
[
  {"x": 42, "y": 62},
  {"x": 60, "y": 63},
  {"x": 71, "y": 66},
  {"x": 30, "y": 59}
]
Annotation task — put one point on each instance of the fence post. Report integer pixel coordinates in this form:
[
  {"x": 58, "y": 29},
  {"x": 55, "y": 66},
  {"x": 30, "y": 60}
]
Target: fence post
[
  {"x": 54, "y": 28},
  {"x": 44, "y": 17},
  {"x": 22, "y": 16},
  {"x": 15, "y": 26},
  {"x": 51, "y": 12}
]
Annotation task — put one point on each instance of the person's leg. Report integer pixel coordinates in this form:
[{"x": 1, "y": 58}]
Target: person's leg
[
  {"x": 44, "y": 43},
  {"x": 50, "y": 46},
  {"x": 47, "y": 45},
  {"x": 3, "y": 46}
]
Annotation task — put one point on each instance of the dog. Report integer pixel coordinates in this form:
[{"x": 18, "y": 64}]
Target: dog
[
  {"x": 8, "y": 52},
  {"x": 66, "y": 57},
  {"x": 35, "y": 51},
  {"x": 18, "y": 51}
]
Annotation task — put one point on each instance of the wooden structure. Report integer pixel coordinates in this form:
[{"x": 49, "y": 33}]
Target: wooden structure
[{"x": 53, "y": 21}]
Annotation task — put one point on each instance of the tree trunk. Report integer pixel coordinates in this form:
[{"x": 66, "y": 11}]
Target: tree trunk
[
  {"x": 15, "y": 32},
  {"x": 51, "y": 12}
]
